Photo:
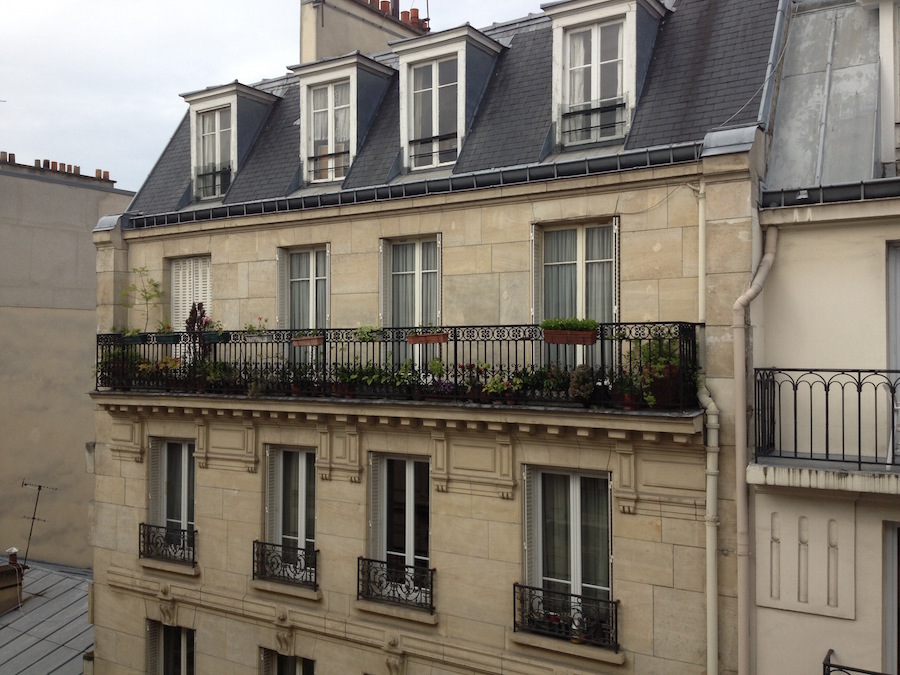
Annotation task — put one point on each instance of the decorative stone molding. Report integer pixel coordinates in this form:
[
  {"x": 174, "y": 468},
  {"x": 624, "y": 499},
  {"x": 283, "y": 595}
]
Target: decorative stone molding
[
  {"x": 395, "y": 661},
  {"x": 127, "y": 438}
]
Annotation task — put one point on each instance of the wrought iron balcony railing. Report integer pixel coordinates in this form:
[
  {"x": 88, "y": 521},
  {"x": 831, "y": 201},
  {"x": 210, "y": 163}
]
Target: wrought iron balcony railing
[
  {"x": 630, "y": 365},
  {"x": 166, "y": 543},
  {"x": 846, "y": 417},
  {"x": 569, "y": 617},
  {"x": 285, "y": 564},
  {"x": 397, "y": 584},
  {"x": 828, "y": 668}
]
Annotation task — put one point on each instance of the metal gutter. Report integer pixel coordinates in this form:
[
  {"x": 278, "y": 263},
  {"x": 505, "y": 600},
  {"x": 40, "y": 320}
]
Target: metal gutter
[
  {"x": 876, "y": 188},
  {"x": 465, "y": 182}
]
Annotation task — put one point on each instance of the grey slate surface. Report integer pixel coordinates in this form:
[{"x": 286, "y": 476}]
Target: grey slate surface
[
  {"x": 381, "y": 146},
  {"x": 515, "y": 112},
  {"x": 170, "y": 178},
  {"x": 49, "y": 632},
  {"x": 707, "y": 71}
]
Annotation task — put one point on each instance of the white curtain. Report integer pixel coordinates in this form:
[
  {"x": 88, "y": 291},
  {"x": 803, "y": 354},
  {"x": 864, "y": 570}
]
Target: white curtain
[{"x": 560, "y": 273}]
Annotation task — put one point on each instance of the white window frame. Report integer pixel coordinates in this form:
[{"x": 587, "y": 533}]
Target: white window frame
[
  {"x": 533, "y": 534},
  {"x": 159, "y": 638},
  {"x": 440, "y": 149},
  {"x": 223, "y": 150},
  {"x": 379, "y": 504},
  {"x": 388, "y": 310},
  {"x": 335, "y": 167},
  {"x": 277, "y": 502},
  {"x": 320, "y": 270},
  {"x": 159, "y": 488},
  {"x": 538, "y": 310},
  {"x": 190, "y": 282}
]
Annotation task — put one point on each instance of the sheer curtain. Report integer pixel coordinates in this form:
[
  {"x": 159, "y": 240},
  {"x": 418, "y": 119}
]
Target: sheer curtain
[
  {"x": 594, "y": 538},
  {"x": 556, "y": 521},
  {"x": 300, "y": 287},
  {"x": 341, "y": 128},
  {"x": 560, "y": 273},
  {"x": 403, "y": 279},
  {"x": 599, "y": 273}
]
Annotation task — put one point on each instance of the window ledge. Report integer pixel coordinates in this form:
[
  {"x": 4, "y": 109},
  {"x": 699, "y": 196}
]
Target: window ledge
[
  {"x": 397, "y": 611},
  {"x": 563, "y": 647},
  {"x": 301, "y": 592},
  {"x": 172, "y": 567}
]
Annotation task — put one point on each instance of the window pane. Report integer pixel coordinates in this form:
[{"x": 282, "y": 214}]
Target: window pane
[
  {"x": 610, "y": 42},
  {"x": 290, "y": 498},
  {"x": 595, "y": 537},
  {"x": 174, "y": 484},
  {"x": 420, "y": 524},
  {"x": 395, "y": 520},
  {"x": 555, "y": 531},
  {"x": 560, "y": 246},
  {"x": 310, "y": 500},
  {"x": 447, "y": 72},
  {"x": 560, "y": 273},
  {"x": 422, "y": 77},
  {"x": 422, "y": 115},
  {"x": 610, "y": 82}
]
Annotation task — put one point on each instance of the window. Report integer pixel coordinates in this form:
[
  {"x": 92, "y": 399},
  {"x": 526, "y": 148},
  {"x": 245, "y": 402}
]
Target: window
[
  {"x": 594, "y": 107},
  {"x": 330, "y": 131},
  {"x": 170, "y": 650},
  {"x": 399, "y": 533},
  {"x": 411, "y": 287},
  {"x": 214, "y": 145},
  {"x": 303, "y": 288},
  {"x": 578, "y": 266},
  {"x": 434, "y": 113},
  {"x": 278, "y": 664},
  {"x": 190, "y": 284},
  {"x": 171, "y": 466},
  {"x": 289, "y": 554}
]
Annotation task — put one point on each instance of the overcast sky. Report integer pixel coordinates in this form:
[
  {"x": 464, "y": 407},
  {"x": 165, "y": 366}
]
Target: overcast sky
[{"x": 96, "y": 83}]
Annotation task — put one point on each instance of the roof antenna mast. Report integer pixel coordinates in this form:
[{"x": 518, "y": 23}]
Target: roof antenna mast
[{"x": 34, "y": 514}]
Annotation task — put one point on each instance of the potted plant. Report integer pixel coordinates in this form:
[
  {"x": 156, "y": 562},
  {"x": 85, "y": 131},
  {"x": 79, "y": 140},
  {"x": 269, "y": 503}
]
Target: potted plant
[
  {"x": 308, "y": 338},
  {"x": 259, "y": 331},
  {"x": 570, "y": 331},
  {"x": 367, "y": 333},
  {"x": 497, "y": 387},
  {"x": 626, "y": 389},
  {"x": 165, "y": 334},
  {"x": 582, "y": 383},
  {"x": 147, "y": 292},
  {"x": 428, "y": 335},
  {"x": 660, "y": 372}
]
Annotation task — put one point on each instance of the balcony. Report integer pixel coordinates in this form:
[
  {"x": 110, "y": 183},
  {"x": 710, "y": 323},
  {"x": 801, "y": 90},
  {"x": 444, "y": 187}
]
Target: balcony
[
  {"x": 649, "y": 366},
  {"x": 837, "y": 419},
  {"x": 159, "y": 542},
  {"x": 575, "y": 618},
  {"x": 407, "y": 585},
  {"x": 828, "y": 667},
  {"x": 285, "y": 564}
]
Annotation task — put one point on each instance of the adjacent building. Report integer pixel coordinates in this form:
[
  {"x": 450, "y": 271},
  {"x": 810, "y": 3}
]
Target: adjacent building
[
  {"x": 358, "y": 451},
  {"x": 48, "y": 291}
]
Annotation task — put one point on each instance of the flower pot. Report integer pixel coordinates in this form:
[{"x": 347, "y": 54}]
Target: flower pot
[
  {"x": 216, "y": 336},
  {"x": 427, "y": 338},
  {"x": 308, "y": 341},
  {"x": 167, "y": 338},
  {"x": 138, "y": 339},
  {"x": 570, "y": 337},
  {"x": 265, "y": 337}
]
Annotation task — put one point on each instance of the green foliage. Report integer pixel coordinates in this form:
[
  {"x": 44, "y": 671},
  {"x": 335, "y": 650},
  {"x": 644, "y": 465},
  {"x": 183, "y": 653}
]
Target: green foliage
[
  {"x": 582, "y": 382},
  {"x": 146, "y": 292},
  {"x": 367, "y": 333},
  {"x": 570, "y": 323}
]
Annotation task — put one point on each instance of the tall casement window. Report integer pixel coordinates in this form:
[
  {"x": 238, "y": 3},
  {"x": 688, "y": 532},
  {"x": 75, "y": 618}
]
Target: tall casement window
[
  {"x": 214, "y": 143},
  {"x": 303, "y": 288},
  {"x": 170, "y": 650},
  {"x": 577, "y": 278},
  {"x": 400, "y": 513},
  {"x": 434, "y": 113},
  {"x": 411, "y": 283},
  {"x": 190, "y": 284},
  {"x": 279, "y": 664},
  {"x": 291, "y": 499},
  {"x": 594, "y": 106},
  {"x": 172, "y": 493},
  {"x": 567, "y": 533},
  {"x": 330, "y": 131}
]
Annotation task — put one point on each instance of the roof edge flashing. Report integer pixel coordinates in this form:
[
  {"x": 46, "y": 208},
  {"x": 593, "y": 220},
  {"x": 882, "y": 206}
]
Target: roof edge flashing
[{"x": 728, "y": 141}]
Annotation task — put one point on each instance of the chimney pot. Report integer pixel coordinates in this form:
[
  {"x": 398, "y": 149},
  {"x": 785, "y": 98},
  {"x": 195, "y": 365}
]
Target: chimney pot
[
  {"x": 2, "y": 155},
  {"x": 98, "y": 173},
  {"x": 14, "y": 558},
  {"x": 46, "y": 164},
  {"x": 54, "y": 166},
  {"x": 385, "y": 6},
  {"x": 106, "y": 175},
  {"x": 404, "y": 17},
  {"x": 414, "y": 16},
  {"x": 77, "y": 170},
  {"x": 12, "y": 158}
]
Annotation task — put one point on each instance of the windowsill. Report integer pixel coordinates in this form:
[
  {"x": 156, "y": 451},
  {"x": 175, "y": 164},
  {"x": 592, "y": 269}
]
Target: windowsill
[
  {"x": 397, "y": 612},
  {"x": 184, "y": 569},
  {"x": 561, "y": 646},
  {"x": 300, "y": 592}
]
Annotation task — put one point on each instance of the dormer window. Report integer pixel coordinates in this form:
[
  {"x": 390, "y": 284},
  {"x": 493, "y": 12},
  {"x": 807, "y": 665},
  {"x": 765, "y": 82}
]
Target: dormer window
[
  {"x": 595, "y": 107},
  {"x": 214, "y": 170},
  {"x": 339, "y": 98},
  {"x": 330, "y": 131},
  {"x": 442, "y": 76},
  {"x": 218, "y": 116},
  {"x": 434, "y": 113}
]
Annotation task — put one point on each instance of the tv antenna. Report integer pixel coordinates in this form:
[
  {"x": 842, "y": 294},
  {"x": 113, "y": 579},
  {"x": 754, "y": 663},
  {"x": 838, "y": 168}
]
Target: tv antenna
[{"x": 34, "y": 517}]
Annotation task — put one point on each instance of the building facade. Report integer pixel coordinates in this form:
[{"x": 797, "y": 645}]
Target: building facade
[
  {"x": 47, "y": 280},
  {"x": 363, "y": 453}
]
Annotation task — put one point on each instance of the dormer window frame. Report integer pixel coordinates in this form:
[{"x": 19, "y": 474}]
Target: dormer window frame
[
  {"x": 326, "y": 75},
  {"x": 433, "y": 50},
  {"x": 598, "y": 116},
  {"x": 210, "y": 104}
]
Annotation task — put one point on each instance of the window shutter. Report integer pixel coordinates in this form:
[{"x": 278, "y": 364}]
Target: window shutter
[
  {"x": 268, "y": 662},
  {"x": 537, "y": 274},
  {"x": 529, "y": 529},
  {"x": 152, "y": 647},
  {"x": 273, "y": 458},
  {"x": 154, "y": 483},
  {"x": 440, "y": 279},
  {"x": 327, "y": 286},
  {"x": 282, "y": 289},
  {"x": 384, "y": 282},
  {"x": 376, "y": 499},
  {"x": 616, "y": 292},
  {"x": 178, "y": 296}
]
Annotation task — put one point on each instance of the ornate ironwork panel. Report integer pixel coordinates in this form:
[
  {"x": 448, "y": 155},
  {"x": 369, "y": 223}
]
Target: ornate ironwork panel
[
  {"x": 568, "y": 617},
  {"x": 285, "y": 564},
  {"x": 398, "y": 584},
  {"x": 167, "y": 543},
  {"x": 828, "y": 667}
]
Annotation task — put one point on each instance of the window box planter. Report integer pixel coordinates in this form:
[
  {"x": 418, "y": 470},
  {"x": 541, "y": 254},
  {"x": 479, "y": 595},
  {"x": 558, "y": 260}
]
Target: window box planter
[
  {"x": 308, "y": 341},
  {"x": 136, "y": 339},
  {"x": 427, "y": 338},
  {"x": 570, "y": 337},
  {"x": 216, "y": 336},
  {"x": 167, "y": 338},
  {"x": 263, "y": 337}
]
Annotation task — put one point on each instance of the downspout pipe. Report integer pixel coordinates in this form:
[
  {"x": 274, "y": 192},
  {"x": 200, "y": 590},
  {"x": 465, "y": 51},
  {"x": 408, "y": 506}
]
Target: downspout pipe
[{"x": 739, "y": 329}]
